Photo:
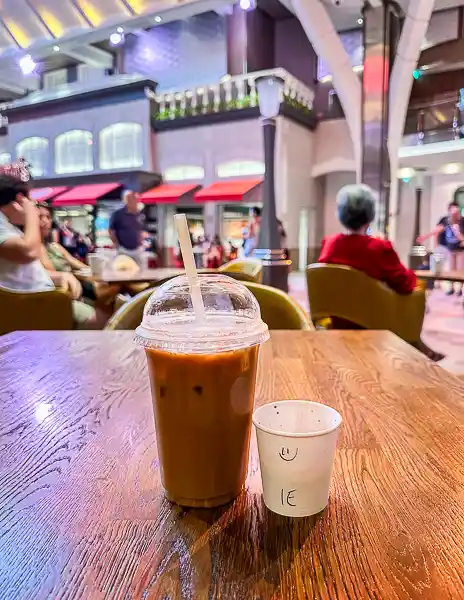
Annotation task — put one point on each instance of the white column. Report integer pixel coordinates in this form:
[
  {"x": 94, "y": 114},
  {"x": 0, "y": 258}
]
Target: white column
[
  {"x": 407, "y": 54},
  {"x": 326, "y": 42},
  {"x": 211, "y": 219}
]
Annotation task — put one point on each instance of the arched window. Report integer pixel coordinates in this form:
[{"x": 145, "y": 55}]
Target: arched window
[
  {"x": 240, "y": 168},
  {"x": 35, "y": 151},
  {"x": 5, "y": 158},
  {"x": 73, "y": 152},
  {"x": 183, "y": 173},
  {"x": 121, "y": 146}
]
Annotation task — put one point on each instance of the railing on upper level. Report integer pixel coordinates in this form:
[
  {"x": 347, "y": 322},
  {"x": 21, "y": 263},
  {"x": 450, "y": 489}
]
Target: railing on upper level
[
  {"x": 230, "y": 93},
  {"x": 441, "y": 119}
]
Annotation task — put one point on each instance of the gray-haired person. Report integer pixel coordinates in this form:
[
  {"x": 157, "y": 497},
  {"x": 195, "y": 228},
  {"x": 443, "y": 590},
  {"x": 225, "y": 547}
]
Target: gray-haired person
[
  {"x": 357, "y": 249},
  {"x": 126, "y": 227}
]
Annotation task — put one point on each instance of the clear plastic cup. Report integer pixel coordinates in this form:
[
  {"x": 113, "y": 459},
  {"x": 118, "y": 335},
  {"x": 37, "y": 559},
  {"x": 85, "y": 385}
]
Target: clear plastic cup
[
  {"x": 296, "y": 444},
  {"x": 97, "y": 263},
  {"x": 203, "y": 376}
]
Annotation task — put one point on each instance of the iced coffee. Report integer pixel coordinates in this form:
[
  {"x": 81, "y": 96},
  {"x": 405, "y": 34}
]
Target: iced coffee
[{"x": 203, "y": 379}]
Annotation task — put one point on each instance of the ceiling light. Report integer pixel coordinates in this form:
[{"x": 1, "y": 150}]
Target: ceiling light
[
  {"x": 116, "y": 38},
  {"x": 120, "y": 30},
  {"x": 157, "y": 19},
  {"x": 406, "y": 173},
  {"x": 56, "y": 48},
  {"x": 247, "y": 4},
  {"x": 27, "y": 64},
  {"x": 451, "y": 168},
  {"x": 360, "y": 21}
]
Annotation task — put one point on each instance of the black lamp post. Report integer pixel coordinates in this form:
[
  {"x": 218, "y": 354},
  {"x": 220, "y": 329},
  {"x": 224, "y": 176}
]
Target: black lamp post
[
  {"x": 417, "y": 251},
  {"x": 275, "y": 265}
]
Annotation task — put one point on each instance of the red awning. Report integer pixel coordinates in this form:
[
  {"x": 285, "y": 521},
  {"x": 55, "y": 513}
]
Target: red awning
[
  {"x": 84, "y": 194},
  {"x": 168, "y": 193},
  {"x": 227, "y": 191},
  {"x": 45, "y": 194}
]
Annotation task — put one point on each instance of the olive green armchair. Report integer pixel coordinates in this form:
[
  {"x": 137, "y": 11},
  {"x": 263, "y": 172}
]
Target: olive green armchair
[
  {"x": 248, "y": 269},
  {"x": 21, "y": 311},
  {"x": 341, "y": 297},
  {"x": 278, "y": 310}
]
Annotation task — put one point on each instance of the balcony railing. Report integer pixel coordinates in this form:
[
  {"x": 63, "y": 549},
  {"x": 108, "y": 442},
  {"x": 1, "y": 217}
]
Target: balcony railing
[
  {"x": 231, "y": 93},
  {"x": 437, "y": 121}
]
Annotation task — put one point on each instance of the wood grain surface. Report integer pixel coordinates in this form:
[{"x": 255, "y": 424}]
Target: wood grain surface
[
  {"x": 455, "y": 276},
  {"x": 82, "y": 513}
]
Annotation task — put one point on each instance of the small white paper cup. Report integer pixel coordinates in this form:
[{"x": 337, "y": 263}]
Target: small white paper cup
[{"x": 296, "y": 445}]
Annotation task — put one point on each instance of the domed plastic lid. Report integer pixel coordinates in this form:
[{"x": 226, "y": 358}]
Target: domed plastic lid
[{"x": 232, "y": 317}]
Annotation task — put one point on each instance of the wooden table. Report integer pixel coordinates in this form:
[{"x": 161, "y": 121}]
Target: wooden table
[
  {"x": 142, "y": 276},
  {"x": 454, "y": 276},
  {"x": 83, "y": 517}
]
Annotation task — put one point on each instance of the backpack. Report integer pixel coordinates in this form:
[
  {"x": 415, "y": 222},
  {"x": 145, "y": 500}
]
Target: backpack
[{"x": 452, "y": 240}]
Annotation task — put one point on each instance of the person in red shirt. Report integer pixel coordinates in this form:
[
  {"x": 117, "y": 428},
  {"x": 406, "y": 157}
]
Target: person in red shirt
[
  {"x": 375, "y": 257},
  {"x": 355, "y": 248}
]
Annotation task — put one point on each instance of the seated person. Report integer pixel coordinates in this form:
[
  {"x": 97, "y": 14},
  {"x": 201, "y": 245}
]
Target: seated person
[
  {"x": 355, "y": 248},
  {"x": 56, "y": 259},
  {"x": 20, "y": 266},
  {"x": 215, "y": 255},
  {"x": 375, "y": 257}
]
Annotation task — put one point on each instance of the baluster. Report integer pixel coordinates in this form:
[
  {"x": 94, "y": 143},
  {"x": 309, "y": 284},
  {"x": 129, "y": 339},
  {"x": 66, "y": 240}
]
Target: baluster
[
  {"x": 301, "y": 95},
  {"x": 310, "y": 100},
  {"x": 172, "y": 105},
  {"x": 216, "y": 97},
  {"x": 240, "y": 85},
  {"x": 204, "y": 99},
  {"x": 253, "y": 92},
  {"x": 287, "y": 88},
  {"x": 161, "y": 104},
  {"x": 193, "y": 102},
  {"x": 228, "y": 93},
  {"x": 181, "y": 98}
]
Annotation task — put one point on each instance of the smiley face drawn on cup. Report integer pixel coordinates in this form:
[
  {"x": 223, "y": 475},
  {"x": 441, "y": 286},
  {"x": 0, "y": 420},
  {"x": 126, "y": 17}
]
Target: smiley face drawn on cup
[{"x": 288, "y": 454}]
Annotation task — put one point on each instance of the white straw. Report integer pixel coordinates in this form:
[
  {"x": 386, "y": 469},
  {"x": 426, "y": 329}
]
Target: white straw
[{"x": 189, "y": 264}]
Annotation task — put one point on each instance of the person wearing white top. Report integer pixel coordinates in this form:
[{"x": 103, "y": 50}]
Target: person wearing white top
[{"x": 20, "y": 252}]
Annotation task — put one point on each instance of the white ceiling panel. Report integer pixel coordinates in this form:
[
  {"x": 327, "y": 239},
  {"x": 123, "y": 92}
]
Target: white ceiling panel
[
  {"x": 22, "y": 23},
  {"x": 59, "y": 16}
]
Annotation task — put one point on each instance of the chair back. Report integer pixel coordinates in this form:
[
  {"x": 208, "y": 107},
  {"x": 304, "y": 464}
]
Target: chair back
[
  {"x": 249, "y": 269},
  {"x": 278, "y": 310},
  {"x": 129, "y": 315},
  {"x": 30, "y": 311},
  {"x": 341, "y": 292}
]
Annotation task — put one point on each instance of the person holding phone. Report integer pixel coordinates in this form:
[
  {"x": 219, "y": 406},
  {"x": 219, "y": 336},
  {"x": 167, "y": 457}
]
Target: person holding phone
[{"x": 20, "y": 251}]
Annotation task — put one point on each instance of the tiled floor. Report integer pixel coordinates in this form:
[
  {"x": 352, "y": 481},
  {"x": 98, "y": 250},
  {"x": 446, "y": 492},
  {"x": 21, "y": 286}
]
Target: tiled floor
[{"x": 443, "y": 327}]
